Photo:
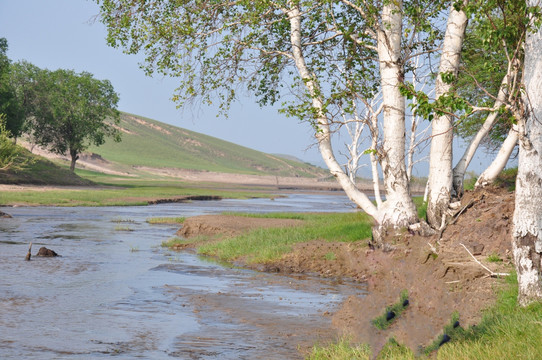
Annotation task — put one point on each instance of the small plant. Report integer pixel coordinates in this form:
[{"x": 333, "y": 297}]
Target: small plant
[
  {"x": 330, "y": 256},
  {"x": 494, "y": 258},
  {"x": 134, "y": 248},
  {"x": 392, "y": 312}
]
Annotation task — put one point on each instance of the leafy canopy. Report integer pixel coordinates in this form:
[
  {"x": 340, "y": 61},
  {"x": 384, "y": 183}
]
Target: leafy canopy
[{"x": 71, "y": 111}]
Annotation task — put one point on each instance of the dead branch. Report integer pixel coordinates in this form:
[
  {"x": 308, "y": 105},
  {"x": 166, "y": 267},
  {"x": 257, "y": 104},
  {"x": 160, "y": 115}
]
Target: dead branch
[
  {"x": 491, "y": 273},
  {"x": 29, "y": 254}
]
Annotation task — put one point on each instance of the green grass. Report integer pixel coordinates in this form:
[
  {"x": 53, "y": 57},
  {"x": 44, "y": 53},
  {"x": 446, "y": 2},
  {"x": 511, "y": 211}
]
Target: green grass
[
  {"x": 507, "y": 179},
  {"x": 147, "y": 142},
  {"x": 381, "y": 321},
  {"x": 341, "y": 350},
  {"x": 118, "y": 193},
  {"x": 166, "y": 220},
  {"x": 421, "y": 206},
  {"x": 28, "y": 168},
  {"x": 494, "y": 258},
  {"x": 506, "y": 331},
  {"x": 263, "y": 245}
]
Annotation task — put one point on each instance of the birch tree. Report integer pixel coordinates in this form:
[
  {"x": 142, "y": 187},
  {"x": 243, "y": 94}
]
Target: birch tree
[
  {"x": 440, "y": 158},
  {"x": 527, "y": 230},
  {"x": 290, "y": 51},
  {"x": 490, "y": 80}
]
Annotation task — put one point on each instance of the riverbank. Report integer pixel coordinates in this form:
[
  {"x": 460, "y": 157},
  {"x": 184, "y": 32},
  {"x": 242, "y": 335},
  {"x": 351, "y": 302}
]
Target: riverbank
[{"x": 446, "y": 276}]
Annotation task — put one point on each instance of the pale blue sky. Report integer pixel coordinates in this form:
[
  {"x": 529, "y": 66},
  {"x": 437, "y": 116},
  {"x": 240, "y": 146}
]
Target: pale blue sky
[{"x": 63, "y": 34}]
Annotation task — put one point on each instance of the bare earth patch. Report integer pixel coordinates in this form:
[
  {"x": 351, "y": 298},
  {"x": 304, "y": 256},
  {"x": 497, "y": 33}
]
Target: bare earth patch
[{"x": 439, "y": 283}]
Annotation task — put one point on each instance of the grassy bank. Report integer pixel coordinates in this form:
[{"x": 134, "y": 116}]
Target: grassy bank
[
  {"x": 506, "y": 331},
  {"x": 111, "y": 190},
  {"x": 265, "y": 245}
]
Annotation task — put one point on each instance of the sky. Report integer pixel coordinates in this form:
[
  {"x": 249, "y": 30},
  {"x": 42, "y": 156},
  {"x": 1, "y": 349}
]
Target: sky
[{"x": 66, "y": 34}]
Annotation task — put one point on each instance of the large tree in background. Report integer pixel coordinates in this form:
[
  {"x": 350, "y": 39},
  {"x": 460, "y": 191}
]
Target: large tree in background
[
  {"x": 527, "y": 231},
  {"x": 10, "y": 104},
  {"x": 69, "y": 111},
  {"x": 324, "y": 60}
]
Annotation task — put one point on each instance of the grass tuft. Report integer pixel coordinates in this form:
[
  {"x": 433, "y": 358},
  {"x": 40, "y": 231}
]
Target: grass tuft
[
  {"x": 341, "y": 350},
  {"x": 166, "y": 220},
  {"x": 392, "y": 312}
]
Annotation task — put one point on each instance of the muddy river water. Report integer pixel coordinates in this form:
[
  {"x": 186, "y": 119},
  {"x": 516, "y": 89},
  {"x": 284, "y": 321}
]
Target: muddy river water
[{"x": 116, "y": 292}]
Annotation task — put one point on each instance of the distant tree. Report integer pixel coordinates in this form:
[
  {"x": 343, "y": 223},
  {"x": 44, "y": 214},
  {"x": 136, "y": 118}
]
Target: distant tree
[
  {"x": 71, "y": 111},
  {"x": 10, "y": 105}
]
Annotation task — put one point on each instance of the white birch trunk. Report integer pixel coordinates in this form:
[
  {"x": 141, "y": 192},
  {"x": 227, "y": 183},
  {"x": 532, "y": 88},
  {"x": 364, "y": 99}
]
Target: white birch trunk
[
  {"x": 398, "y": 210},
  {"x": 323, "y": 134},
  {"x": 462, "y": 165},
  {"x": 497, "y": 165},
  {"x": 440, "y": 157},
  {"x": 527, "y": 231}
]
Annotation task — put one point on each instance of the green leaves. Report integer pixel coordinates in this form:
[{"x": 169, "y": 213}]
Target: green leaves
[{"x": 69, "y": 111}]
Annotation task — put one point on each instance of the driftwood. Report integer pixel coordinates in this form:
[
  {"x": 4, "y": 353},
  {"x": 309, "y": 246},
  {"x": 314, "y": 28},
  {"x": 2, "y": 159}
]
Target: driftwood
[
  {"x": 491, "y": 273},
  {"x": 29, "y": 254}
]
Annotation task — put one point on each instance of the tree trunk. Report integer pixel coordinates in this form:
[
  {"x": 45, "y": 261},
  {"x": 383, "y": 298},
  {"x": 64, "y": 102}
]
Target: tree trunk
[
  {"x": 74, "y": 158},
  {"x": 462, "y": 165},
  {"x": 323, "y": 135},
  {"x": 440, "y": 157},
  {"x": 527, "y": 231},
  {"x": 398, "y": 210},
  {"x": 490, "y": 174}
]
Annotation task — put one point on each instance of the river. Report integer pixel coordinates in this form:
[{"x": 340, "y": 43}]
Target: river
[{"x": 116, "y": 292}]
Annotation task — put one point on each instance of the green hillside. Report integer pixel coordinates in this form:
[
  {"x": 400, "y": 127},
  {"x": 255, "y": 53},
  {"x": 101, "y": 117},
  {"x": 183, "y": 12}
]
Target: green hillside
[
  {"x": 33, "y": 169},
  {"x": 150, "y": 143}
]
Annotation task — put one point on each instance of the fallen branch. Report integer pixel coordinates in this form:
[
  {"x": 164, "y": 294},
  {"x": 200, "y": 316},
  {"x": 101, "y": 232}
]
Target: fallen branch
[{"x": 491, "y": 273}]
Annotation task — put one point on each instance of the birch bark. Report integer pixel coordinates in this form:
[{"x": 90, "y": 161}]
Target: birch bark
[
  {"x": 462, "y": 165},
  {"x": 440, "y": 157},
  {"x": 323, "y": 135},
  {"x": 398, "y": 210},
  {"x": 527, "y": 231},
  {"x": 497, "y": 165}
]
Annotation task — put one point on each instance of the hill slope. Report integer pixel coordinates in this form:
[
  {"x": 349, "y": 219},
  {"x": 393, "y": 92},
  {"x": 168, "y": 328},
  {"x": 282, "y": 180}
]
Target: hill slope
[
  {"x": 150, "y": 143},
  {"x": 37, "y": 170}
]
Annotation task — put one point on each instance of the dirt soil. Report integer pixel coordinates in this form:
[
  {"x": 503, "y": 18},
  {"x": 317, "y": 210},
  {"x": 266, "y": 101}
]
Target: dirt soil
[{"x": 438, "y": 272}]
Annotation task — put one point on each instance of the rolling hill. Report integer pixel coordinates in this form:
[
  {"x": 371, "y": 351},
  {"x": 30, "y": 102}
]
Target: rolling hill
[{"x": 151, "y": 144}]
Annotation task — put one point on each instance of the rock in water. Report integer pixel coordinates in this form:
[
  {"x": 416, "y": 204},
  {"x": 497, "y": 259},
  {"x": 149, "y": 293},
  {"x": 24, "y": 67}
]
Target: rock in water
[
  {"x": 43, "y": 251},
  {"x": 4, "y": 215}
]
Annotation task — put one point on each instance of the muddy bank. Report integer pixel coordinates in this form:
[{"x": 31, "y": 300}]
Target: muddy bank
[{"x": 438, "y": 272}]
